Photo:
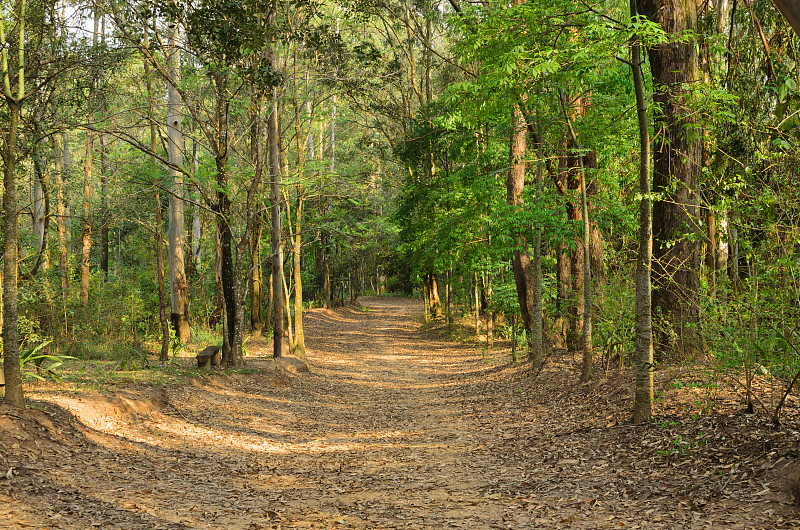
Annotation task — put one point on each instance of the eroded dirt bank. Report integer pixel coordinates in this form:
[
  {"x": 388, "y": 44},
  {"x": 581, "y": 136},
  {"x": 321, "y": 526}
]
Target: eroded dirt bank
[{"x": 392, "y": 428}]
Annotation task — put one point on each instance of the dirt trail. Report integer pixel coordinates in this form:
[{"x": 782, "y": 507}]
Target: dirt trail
[
  {"x": 370, "y": 438},
  {"x": 392, "y": 428}
]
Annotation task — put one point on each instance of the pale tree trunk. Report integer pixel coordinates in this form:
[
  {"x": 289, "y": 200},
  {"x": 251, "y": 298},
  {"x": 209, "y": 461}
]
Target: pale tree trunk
[
  {"x": 179, "y": 290},
  {"x": 643, "y": 341}
]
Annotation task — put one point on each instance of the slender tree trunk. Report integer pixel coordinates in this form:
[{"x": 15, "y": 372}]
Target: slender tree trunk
[
  {"x": 157, "y": 235},
  {"x": 104, "y": 214},
  {"x": 179, "y": 288},
  {"x": 275, "y": 214},
  {"x": 536, "y": 353},
  {"x": 62, "y": 165},
  {"x": 86, "y": 233},
  {"x": 297, "y": 252},
  {"x": 162, "y": 292},
  {"x": 256, "y": 282},
  {"x": 643, "y": 341}
]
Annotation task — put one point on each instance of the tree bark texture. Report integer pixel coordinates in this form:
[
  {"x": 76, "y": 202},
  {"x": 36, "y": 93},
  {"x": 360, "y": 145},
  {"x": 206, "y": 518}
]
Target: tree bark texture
[
  {"x": 179, "y": 289},
  {"x": 676, "y": 258},
  {"x": 515, "y": 183},
  {"x": 11, "y": 362},
  {"x": 643, "y": 331}
]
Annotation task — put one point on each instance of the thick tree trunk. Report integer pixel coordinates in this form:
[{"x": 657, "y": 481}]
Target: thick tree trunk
[
  {"x": 179, "y": 289},
  {"x": 676, "y": 259},
  {"x": 11, "y": 362},
  {"x": 643, "y": 341}
]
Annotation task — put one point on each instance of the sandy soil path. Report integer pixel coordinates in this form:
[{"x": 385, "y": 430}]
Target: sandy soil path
[{"x": 372, "y": 437}]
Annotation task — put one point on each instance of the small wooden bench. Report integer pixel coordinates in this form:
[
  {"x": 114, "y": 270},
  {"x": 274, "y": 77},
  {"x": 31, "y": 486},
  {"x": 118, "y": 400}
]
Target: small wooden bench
[{"x": 209, "y": 357}]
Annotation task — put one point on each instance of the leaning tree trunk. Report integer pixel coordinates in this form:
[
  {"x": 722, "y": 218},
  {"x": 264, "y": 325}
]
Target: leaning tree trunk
[{"x": 676, "y": 258}]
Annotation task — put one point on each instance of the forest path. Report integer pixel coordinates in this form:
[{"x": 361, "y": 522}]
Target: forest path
[
  {"x": 375, "y": 436},
  {"x": 394, "y": 427}
]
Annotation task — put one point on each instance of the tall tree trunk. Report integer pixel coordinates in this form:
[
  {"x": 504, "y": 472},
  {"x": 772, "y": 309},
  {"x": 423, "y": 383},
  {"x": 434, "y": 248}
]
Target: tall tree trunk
[
  {"x": 676, "y": 259},
  {"x": 275, "y": 215},
  {"x": 11, "y": 361},
  {"x": 179, "y": 289},
  {"x": 104, "y": 214},
  {"x": 585, "y": 265},
  {"x": 643, "y": 341},
  {"x": 515, "y": 183}
]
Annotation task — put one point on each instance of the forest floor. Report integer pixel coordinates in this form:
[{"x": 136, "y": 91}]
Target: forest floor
[{"x": 396, "y": 425}]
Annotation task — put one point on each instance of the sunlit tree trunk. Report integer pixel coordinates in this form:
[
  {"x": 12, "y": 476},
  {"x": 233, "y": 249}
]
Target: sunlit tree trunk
[
  {"x": 515, "y": 183},
  {"x": 179, "y": 290}
]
